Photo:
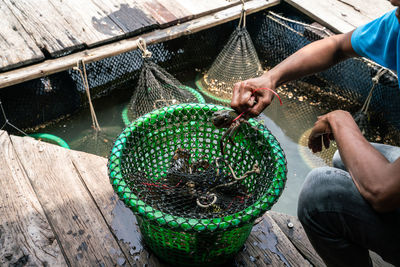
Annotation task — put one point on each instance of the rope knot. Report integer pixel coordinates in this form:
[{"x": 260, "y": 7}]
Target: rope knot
[
  {"x": 378, "y": 75},
  {"x": 143, "y": 47}
]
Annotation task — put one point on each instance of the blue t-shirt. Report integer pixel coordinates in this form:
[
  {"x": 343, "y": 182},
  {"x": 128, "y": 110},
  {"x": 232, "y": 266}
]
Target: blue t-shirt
[{"x": 379, "y": 40}]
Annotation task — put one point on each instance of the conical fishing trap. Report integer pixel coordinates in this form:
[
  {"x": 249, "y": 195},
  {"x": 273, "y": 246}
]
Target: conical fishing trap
[
  {"x": 156, "y": 88},
  {"x": 195, "y": 205},
  {"x": 236, "y": 62}
]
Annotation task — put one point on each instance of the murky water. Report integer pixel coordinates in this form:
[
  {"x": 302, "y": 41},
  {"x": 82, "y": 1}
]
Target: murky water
[{"x": 290, "y": 123}]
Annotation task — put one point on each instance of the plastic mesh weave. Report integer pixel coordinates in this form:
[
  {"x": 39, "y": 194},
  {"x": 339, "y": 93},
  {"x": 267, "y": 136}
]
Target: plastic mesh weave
[
  {"x": 168, "y": 159},
  {"x": 236, "y": 62}
]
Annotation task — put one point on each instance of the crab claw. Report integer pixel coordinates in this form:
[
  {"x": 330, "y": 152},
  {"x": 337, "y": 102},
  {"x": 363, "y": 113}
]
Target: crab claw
[{"x": 223, "y": 118}]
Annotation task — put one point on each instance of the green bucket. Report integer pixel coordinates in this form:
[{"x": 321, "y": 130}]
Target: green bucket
[{"x": 146, "y": 148}]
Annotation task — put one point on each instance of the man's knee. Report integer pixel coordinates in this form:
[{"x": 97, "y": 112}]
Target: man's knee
[
  {"x": 307, "y": 198},
  {"x": 323, "y": 190}
]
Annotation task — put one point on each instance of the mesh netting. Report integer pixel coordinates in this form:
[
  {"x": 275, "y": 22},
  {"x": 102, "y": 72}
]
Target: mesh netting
[
  {"x": 156, "y": 88},
  {"x": 168, "y": 167},
  {"x": 345, "y": 86},
  {"x": 236, "y": 62}
]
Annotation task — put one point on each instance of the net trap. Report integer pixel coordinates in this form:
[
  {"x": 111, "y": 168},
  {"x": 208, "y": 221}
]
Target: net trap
[
  {"x": 238, "y": 61},
  {"x": 156, "y": 88},
  {"x": 196, "y": 197}
]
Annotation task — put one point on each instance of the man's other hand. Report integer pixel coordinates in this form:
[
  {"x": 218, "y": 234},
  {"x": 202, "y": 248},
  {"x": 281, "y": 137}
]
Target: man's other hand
[{"x": 321, "y": 133}]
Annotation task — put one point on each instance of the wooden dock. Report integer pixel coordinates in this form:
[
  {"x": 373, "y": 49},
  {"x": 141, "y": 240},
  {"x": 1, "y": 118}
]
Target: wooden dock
[{"x": 58, "y": 208}]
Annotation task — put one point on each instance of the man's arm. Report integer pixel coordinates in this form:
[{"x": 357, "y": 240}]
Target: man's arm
[
  {"x": 376, "y": 178},
  {"x": 315, "y": 57}
]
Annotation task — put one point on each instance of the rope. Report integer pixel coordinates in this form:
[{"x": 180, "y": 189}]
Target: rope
[
  {"x": 7, "y": 122},
  {"x": 323, "y": 29},
  {"x": 375, "y": 81},
  {"x": 143, "y": 47},
  {"x": 285, "y": 25},
  {"x": 83, "y": 75},
  {"x": 242, "y": 16}
]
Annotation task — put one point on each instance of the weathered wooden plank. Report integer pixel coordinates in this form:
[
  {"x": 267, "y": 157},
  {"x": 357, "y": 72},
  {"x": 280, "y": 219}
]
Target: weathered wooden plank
[
  {"x": 128, "y": 15},
  {"x": 342, "y": 15},
  {"x": 297, "y": 236},
  {"x": 56, "y": 65},
  {"x": 369, "y": 8},
  {"x": 268, "y": 246},
  {"x": 16, "y": 46},
  {"x": 89, "y": 23},
  {"x": 176, "y": 8},
  {"x": 70, "y": 209},
  {"x": 93, "y": 171},
  {"x": 159, "y": 12},
  {"x": 43, "y": 23},
  {"x": 26, "y": 237},
  {"x": 202, "y": 8}
]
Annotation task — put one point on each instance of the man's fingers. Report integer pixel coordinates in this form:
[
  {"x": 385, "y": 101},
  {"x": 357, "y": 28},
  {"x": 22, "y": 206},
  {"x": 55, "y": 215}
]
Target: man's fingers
[
  {"x": 315, "y": 142},
  {"x": 258, "y": 108},
  {"x": 236, "y": 95},
  {"x": 241, "y": 98},
  {"x": 326, "y": 140}
]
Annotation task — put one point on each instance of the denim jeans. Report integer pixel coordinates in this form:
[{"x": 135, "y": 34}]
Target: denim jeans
[{"x": 340, "y": 223}]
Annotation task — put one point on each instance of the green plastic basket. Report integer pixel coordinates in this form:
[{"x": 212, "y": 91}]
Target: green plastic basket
[{"x": 147, "y": 146}]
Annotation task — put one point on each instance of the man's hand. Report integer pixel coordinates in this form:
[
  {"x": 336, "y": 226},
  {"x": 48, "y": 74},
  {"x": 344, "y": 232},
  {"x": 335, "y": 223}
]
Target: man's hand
[
  {"x": 243, "y": 98},
  {"x": 321, "y": 133}
]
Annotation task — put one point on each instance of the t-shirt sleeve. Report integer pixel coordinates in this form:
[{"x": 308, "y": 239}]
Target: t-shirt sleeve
[{"x": 377, "y": 40}]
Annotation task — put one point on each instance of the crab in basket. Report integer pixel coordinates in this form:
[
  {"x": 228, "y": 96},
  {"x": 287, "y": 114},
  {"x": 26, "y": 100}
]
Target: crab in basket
[{"x": 232, "y": 121}]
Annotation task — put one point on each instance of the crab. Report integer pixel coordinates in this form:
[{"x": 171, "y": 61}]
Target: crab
[{"x": 232, "y": 121}]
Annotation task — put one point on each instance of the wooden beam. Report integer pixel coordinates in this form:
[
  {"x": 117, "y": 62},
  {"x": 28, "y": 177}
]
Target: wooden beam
[
  {"x": 64, "y": 63},
  {"x": 26, "y": 237}
]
